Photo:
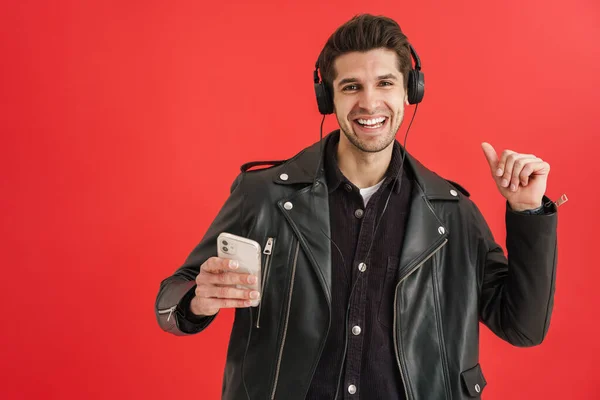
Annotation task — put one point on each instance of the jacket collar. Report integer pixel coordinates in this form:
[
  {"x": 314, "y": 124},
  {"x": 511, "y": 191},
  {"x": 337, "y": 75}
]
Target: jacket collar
[{"x": 302, "y": 169}]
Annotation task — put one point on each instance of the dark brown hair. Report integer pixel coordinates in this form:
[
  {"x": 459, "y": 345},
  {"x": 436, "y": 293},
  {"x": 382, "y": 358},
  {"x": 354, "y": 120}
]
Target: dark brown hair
[{"x": 363, "y": 33}]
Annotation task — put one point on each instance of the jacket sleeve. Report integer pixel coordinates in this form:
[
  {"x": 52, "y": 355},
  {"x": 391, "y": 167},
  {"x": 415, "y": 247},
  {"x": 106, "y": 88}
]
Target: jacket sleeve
[
  {"x": 517, "y": 294},
  {"x": 176, "y": 291}
]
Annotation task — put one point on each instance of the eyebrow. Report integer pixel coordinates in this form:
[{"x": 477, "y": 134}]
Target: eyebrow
[{"x": 379, "y": 78}]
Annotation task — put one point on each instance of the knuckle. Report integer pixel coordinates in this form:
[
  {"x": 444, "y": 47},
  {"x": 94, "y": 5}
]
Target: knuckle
[
  {"x": 206, "y": 266},
  {"x": 519, "y": 163},
  {"x": 223, "y": 292},
  {"x": 214, "y": 262},
  {"x": 517, "y": 170},
  {"x": 222, "y": 278}
]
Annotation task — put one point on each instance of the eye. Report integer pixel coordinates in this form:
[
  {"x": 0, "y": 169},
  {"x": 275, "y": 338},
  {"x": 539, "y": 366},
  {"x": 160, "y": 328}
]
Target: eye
[
  {"x": 386, "y": 83},
  {"x": 350, "y": 88}
]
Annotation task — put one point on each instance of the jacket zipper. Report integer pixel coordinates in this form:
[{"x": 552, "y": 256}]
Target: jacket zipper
[
  {"x": 169, "y": 310},
  {"x": 287, "y": 318},
  {"x": 396, "y": 311},
  {"x": 265, "y": 278}
]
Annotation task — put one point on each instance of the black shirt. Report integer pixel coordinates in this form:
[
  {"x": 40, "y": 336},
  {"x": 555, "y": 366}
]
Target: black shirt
[{"x": 363, "y": 287}]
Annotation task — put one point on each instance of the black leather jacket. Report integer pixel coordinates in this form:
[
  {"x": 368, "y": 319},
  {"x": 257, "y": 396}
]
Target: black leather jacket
[{"x": 452, "y": 275}]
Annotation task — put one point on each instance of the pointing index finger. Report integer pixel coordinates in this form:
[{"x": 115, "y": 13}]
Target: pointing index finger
[{"x": 491, "y": 156}]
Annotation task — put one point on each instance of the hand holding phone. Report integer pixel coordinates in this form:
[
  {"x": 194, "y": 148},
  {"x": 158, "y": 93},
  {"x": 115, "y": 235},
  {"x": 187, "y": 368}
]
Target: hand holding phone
[{"x": 231, "y": 280}]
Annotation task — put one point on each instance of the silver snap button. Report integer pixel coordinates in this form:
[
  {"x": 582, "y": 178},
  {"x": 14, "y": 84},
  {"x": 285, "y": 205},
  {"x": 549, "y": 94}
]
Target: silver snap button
[
  {"x": 362, "y": 267},
  {"x": 351, "y": 389},
  {"x": 356, "y": 330},
  {"x": 454, "y": 193},
  {"x": 477, "y": 388},
  {"x": 288, "y": 205},
  {"x": 348, "y": 187},
  {"x": 359, "y": 213},
  {"x": 441, "y": 230},
  {"x": 284, "y": 177}
]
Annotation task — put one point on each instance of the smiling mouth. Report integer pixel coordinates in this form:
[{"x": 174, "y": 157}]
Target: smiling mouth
[{"x": 371, "y": 123}]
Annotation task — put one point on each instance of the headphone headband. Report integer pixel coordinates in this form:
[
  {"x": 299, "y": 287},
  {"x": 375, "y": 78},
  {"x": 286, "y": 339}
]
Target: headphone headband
[{"x": 415, "y": 57}]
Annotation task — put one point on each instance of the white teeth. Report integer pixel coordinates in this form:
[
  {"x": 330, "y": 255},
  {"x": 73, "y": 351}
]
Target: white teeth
[{"x": 373, "y": 121}]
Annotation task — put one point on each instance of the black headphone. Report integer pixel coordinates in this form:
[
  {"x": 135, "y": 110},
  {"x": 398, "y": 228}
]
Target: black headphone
[{"x": 416, "y": 86}]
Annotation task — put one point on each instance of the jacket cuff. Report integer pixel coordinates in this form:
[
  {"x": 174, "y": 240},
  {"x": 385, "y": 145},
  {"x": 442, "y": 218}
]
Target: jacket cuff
[
  {"x": 187, "y": 321},
  {"x": 547, "y": 207},
  {"x": 169, "y": 312}
]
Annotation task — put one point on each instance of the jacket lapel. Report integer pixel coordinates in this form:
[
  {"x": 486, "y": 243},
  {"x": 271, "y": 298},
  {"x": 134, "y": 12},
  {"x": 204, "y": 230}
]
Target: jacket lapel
[
  {"x": 424, "y": 234},
  {"x": 307, "y": 211},
  {"x": 425, "y": 231}
]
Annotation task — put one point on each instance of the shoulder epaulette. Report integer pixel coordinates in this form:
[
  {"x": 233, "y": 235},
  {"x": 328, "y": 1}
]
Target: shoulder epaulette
[{"x": 459, "y": 187}]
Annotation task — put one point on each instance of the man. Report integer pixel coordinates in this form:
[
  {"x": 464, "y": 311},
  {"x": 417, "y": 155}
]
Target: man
[{"x": 356, "y": 305}]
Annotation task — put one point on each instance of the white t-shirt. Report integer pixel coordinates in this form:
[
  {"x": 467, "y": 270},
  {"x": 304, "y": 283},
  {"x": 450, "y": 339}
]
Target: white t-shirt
[{"x": 366, "y": 193}]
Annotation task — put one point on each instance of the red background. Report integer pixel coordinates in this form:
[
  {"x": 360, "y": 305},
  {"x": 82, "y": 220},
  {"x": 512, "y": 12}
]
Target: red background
[{"x": 124, "y": 123}]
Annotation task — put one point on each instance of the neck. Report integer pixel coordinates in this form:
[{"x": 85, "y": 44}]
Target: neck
[{"x": 361, "y": 168}]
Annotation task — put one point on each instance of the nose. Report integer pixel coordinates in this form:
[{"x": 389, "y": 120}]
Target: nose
[{"x": 368, "y": 99}]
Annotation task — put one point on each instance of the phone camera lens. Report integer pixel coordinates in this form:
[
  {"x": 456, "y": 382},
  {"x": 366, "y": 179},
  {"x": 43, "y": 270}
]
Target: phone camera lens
[
  {"x": 225, "y": 242},
  {"x": 225, "y": 249}
]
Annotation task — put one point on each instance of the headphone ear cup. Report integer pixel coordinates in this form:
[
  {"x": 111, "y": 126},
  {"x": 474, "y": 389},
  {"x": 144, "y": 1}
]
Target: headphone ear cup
[
  {"x": 324, "y": 100},
  {"x": 416, "y": 86}
]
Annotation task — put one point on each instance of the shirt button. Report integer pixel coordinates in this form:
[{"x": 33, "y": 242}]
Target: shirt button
[
  {"x": 284, "y": 177},
  {"x": 362, "y": 267},
  {"x": 348, "y": 187},
  {"x": 351, "y": 389},
  {"x": 359, "y": 213},
  {"x": 356, "y": 330}
]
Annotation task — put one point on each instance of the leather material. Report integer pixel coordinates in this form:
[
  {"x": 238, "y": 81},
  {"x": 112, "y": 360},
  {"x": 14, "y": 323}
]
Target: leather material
[
  {"x": 452, "y": 275},
  {"x": 474, "y": 381}
]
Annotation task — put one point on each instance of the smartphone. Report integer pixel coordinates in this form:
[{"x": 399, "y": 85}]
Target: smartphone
[{"x": 247, "y": 252}]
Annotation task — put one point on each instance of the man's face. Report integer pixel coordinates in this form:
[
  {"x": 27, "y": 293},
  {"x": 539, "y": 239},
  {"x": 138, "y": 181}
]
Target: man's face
[{"x": 369, "y": 98}]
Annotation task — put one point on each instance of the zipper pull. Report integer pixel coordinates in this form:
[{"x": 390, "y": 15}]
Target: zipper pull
[
  {"x": 562, "y": 200},
  {"x": 172, "y": 310},
  {"x": 268, "y": 246}
]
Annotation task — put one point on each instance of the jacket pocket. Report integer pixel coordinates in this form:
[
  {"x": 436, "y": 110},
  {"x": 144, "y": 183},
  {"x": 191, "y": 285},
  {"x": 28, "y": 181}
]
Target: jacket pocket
[
  {"x": 473, "y": 381},
  {"x": 268, "y": 251},
  {"x": 385, "y": 314}
]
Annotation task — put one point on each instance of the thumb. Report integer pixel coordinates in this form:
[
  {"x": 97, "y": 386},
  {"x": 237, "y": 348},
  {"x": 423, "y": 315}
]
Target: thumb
[{"x": 490, "y": 155}]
